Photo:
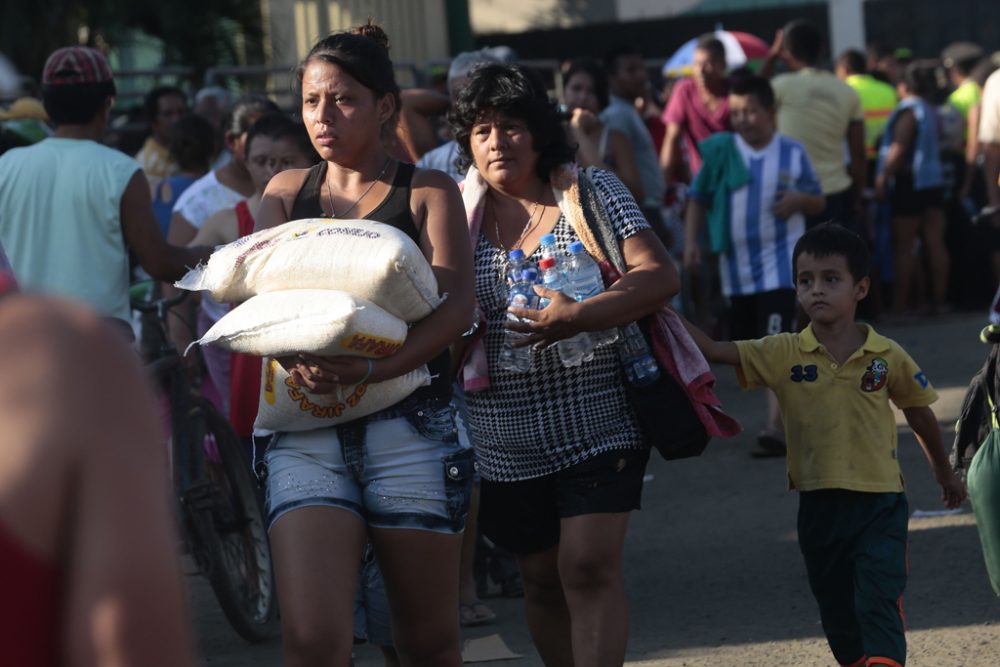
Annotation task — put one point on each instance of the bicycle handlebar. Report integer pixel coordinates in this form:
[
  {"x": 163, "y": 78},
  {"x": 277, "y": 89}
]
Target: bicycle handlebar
[
  {"x": 158, "y": 305},
  {"x": 985, "y": 213}
]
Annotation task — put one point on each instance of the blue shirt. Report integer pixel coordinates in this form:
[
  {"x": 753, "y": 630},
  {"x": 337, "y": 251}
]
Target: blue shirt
[
  {"x": 165, "y": 195},
  {"x": 60, "y": 221},
  {"x": 926, "y": 165},
  {"x": 443, "y": 158},
  {"x": 621, "y": 115},
  {"x": 759, "y": 258}
]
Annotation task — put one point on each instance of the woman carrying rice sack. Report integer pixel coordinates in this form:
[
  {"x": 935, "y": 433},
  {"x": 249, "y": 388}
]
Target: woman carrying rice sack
[
  {"x": 399, "y": 474},
  {"x": 559, "y": 451}
]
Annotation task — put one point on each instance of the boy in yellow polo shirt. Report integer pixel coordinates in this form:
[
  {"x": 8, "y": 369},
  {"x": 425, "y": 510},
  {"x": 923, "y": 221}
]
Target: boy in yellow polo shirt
[{"x": 834, "y": 381}]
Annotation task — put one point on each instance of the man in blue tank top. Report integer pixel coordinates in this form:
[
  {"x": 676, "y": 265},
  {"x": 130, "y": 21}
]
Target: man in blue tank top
[{"x": 72, "y": 208}]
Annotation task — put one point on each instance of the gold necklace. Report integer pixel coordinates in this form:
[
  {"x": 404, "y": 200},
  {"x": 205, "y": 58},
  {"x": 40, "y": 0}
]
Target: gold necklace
[
  {"x": 524, "y": 232},
  {"x": 329, "y": 191}
]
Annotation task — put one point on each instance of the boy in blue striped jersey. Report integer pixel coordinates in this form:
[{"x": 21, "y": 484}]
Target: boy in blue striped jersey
[{"x": 755, "y": 189}]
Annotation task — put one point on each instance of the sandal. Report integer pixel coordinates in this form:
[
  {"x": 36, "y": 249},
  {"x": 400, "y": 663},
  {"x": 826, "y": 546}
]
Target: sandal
[
  {"x": 475, "y": 613},
  {"x": 768, "y": 446}
]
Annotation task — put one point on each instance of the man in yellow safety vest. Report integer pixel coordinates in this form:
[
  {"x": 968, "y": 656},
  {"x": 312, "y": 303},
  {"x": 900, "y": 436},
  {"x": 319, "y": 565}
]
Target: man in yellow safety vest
[{"x": 878, "y": 99}]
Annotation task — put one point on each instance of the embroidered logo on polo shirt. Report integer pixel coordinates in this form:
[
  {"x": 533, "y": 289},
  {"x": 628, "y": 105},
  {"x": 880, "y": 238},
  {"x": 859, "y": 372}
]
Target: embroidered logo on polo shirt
[
  {"x": 876, "y": 375},
  {"x": 804, "y": 373},
  {"x": 921, "y": 379}
]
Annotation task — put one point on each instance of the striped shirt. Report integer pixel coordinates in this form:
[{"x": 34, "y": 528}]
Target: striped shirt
[{"x": 759, "y": 258}]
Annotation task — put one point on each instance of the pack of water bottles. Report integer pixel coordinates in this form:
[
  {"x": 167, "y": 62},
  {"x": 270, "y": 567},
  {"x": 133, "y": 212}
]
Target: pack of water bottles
[{"x": 577, "y": 275}]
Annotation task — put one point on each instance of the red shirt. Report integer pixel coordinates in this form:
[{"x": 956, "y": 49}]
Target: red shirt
[
  {"x": 688, "y": 110},
  {"x": 29, "y": 605},
  {"x": 29, "y": 610},
  {"x": 244, "y": 369}
]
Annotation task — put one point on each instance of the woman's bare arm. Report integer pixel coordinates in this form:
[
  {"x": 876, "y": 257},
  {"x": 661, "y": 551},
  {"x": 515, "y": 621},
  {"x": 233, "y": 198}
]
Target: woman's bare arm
[
  {"x": 444, "y": 238},
  {"x": 94, "y": 458},
  {"x": 220, "y": 229},
  {"x": 276, "y": 202}
]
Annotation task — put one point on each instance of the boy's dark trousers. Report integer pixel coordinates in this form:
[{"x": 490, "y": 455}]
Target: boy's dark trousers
[{"x": 854, "y": 545}]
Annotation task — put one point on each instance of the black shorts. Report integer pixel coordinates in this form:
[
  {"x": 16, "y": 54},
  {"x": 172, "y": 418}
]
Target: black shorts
[
  {"x": 763, "y": 314},
  {"x": 837, "y": 208},
  {"x": 523, "y": 517},
  {"x": 907, "y": 202}
]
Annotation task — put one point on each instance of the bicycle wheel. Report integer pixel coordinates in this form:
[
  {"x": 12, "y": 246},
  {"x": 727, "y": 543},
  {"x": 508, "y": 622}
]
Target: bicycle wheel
[{"x": 232, "y": 530}]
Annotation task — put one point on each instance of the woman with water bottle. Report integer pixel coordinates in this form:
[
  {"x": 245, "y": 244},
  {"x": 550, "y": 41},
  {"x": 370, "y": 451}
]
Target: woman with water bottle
[{"x": 560, "y": 454}]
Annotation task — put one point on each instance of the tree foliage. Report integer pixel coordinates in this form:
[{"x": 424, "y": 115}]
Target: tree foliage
[{"x": 195, "y": 33}]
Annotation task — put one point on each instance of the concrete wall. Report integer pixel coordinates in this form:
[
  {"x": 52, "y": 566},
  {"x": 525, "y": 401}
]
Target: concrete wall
[
  {"x": 417, "y": 29},
  {"x": 512, "y": 16}
]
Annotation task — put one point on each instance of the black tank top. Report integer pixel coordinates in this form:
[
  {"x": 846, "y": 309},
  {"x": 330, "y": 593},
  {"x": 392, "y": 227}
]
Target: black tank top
[{"x": 395, "y": 211}]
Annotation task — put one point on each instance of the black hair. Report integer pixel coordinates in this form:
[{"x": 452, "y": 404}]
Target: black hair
[
  {"x": 246, "y": 110},
  {"x": 151, "y": 104},
  {"x": 921, "y": 78},
  {"x": 712, "y": 46},
  {"x": 853, "y": 61},
  {"x": 364, "y": 54},
  {"x": 612, "y": 57},
  {"x": 804, "y": 40},
  {"x": 758, "y": 86},
  {"x": 597, "y": 75},
  {"x": 829, "y": 238},
  {"x": 966, "y": 66},
  {"x": 878, "y": 50},
  {"x": 279, "y": 126},
  {"x": 982, "y": 71},
  {"x": 740, "y": 73},
  {"x": 76, "y": 104},
  {"x": 192, "y": 142},
  {"x": 518, "y": 92}
]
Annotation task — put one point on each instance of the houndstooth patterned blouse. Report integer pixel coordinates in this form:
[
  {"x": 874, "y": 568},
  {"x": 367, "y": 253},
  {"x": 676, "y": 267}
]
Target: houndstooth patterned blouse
[{"x": 536, "y": 423}]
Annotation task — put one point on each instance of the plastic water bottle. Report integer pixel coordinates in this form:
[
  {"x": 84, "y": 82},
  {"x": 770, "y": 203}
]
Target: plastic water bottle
[
  {"x": 517, "y": 263},
  {"x": 572, "y": 351},
  {"x": 584, "y": 276},
  {"x": 637, "y": 359},
  {"x": 548, "y": 249},
  {"x": 522, "y": 295}
]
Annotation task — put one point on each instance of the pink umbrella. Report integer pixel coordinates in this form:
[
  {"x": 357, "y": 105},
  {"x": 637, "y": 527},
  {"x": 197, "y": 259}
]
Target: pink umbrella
[{"x": 741, "y": 47}]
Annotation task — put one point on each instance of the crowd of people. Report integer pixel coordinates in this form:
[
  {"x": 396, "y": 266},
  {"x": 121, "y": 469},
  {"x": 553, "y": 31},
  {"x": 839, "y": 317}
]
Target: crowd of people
[{"x": 775, "y": 203}]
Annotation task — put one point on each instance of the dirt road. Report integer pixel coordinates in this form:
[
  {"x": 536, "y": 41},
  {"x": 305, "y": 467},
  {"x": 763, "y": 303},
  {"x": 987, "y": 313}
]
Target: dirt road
[{"x": 713, "y": 571}]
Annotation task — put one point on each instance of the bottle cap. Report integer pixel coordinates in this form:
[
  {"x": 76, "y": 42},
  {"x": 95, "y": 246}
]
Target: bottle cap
[
  {"x": 516, "y": 255},
  {"x": 529, "y": 275},
  {"x": 548, "y": 239},
  {"x": 547, "y": 263},
  {"x": 575, "y": 246}
]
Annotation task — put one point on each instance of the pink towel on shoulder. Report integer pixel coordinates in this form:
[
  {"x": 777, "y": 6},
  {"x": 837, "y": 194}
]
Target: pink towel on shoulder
[{"x": 474, "y": 373}]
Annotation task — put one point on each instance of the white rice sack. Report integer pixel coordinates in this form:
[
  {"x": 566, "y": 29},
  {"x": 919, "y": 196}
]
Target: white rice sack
[
  {"x": 318, "y": 321},
  {"x": 285, "y": 406},
  {"x": 370, "y": 260}
]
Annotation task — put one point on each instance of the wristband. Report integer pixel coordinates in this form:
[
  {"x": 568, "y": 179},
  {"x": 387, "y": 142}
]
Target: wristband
[{"x": 368, "y": 374}]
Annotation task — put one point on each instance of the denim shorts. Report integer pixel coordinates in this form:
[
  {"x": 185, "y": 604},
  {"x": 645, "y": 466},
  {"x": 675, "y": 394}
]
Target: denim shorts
[
  {"x": 399, "y": 468},
  {"x": 461, "y": 412}
]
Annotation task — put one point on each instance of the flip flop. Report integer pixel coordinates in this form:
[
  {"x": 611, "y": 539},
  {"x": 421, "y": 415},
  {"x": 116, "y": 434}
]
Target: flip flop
[
  {"x": 475, "y": 613},
  {"x": 768, "y": 447}
]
